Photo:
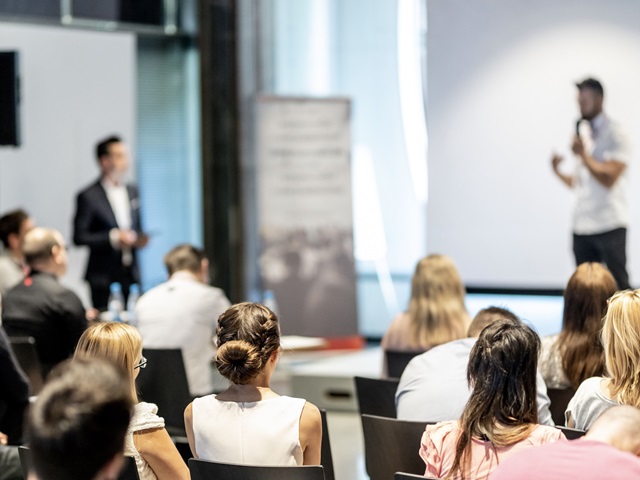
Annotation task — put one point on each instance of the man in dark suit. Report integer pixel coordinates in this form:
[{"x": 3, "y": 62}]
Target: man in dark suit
[{"x": 107, "y": 220}]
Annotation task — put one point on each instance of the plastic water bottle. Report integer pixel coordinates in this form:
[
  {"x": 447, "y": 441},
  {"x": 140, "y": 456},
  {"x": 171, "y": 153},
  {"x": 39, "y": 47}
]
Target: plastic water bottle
[
  {"x": 115, "y": 304},
  {"x": 134, "y": 294},
  {"x": 269, "y": 301}
]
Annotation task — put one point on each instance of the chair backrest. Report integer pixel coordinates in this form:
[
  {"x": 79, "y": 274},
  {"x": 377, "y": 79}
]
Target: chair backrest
[
  {"x": 164, "y": 382},
  {"x": 25, "y": 350},
  {"x": 326, "y": 457},
  {"x": 377, "y": 396},
  {"x": 560, "y": 398},
  {"x": 25, "y": 459},
  {"x": 398, "y": 360},
  {"x": 203, "y": 470},
  {"x": 129, "y": 470},
  {"x": 571, "y": 433},
  {"x": 409, "y": 476},
  {"x": 391, "y": 445}
]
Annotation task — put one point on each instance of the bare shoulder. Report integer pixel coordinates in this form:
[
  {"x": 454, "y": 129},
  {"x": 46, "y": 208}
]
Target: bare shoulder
[{"x": 310, "y": 413}]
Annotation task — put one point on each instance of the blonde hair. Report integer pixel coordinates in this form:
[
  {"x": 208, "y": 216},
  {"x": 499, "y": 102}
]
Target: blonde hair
[
  {"x": 436, "y": 309},
  {"x": 621, "y": 340},
  {"x": 119, "y": 343}
]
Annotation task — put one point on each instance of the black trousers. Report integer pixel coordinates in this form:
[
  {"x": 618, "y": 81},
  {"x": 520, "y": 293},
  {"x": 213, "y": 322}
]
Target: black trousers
[
  {"x": 100, "y": 292},
  {"x": 609, "y": 248}
]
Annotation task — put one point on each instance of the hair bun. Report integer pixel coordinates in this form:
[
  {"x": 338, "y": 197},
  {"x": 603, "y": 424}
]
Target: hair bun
[{"x": 238, "y": 361}]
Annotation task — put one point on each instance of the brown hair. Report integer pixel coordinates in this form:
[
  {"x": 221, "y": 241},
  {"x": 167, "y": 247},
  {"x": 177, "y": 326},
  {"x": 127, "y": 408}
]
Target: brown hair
[
  {"x": 585, "y": 303},
  {"x": 119, "y": 343},
  {"x": 436, "y": 309},
  {"x": 621, "y": 339},
  {"x": 11, "y": 223},
  {"x": 502, "y": 407},
  {"x": 248, "y": 334},
  {"x": 184, "y": 257}
]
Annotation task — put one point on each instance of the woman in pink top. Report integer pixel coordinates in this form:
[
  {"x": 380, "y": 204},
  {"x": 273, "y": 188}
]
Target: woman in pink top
[{"x": 500, "y": 417}]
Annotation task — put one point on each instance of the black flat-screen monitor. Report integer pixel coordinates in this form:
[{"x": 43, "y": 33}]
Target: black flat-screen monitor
[{"x": 9, "y": 99}]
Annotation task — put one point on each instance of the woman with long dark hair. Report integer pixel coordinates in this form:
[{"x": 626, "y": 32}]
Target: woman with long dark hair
[
  {"x": 576, "y": 353},
  {"x": 501, "y": 416}
]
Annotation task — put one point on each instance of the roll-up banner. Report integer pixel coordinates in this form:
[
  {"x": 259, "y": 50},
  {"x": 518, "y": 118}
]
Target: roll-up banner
[{"x": 305, "y": 214}]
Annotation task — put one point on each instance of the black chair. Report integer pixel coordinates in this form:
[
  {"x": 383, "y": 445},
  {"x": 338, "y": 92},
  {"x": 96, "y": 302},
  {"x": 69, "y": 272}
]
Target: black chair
[
  {"x": 571, "y": 433},
  {"x": 560, "y": 398},
  {"x": 164, "y": 382},
  {"x": 397, "y": 361},
  {"x": 129, "y": 470},
  {"x": 326, "y": 458},
  {"x": 410, "y": 476},
  {"x": 25, "y": 460},
  {"x": 391, "y": 445},
  {"x": 203, "y": 470},
  {"x": 377, "y": 396},
  {"x": 25, "y": 350}
]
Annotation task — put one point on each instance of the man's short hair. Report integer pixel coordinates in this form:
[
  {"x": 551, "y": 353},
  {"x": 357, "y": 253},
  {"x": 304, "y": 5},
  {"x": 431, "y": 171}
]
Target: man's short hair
[
  {"x": 184, "y": 257},
  {"x": 591, "y": 84},
  {"x": 486, "y": 317},
  {"x": 37, "y": 245},
  {"x": 11, "y": 223},
  {"x": 80, "y": 419},
  {"x": 102, "y": 147}
]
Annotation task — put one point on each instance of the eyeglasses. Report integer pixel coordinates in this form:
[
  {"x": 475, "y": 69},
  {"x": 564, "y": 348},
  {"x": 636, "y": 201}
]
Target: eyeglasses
[{"x": 142, "y": 363}]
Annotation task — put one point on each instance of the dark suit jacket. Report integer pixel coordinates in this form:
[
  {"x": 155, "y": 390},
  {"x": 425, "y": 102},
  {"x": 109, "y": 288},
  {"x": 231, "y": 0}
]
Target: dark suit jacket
[
  {"x": 93, "y": 221},
  {"x": 42, "y": 308},
  {"x": 14, "y": 392}
]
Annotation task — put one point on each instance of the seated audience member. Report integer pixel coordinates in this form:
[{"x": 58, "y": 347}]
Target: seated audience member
[
  {"x": 10, "y": 467},
  {"x": 610, "y": 449},
  {"x": 146, "y": 441},
  {"x": 249, "y": 423},
  {"x": 500, "y": 417},
  {"x": 436, "y": 313},
  {"x": 620, "y": 338},
  {"x": 13, "y": 227},
  {"x": 14, "y": 394},
  {"x": 40, "y": 306},
  {"x": 434, "y": 385},
  {"x": 576, "y": 353},
  {"x": 182, "y": 313},
  {"x": 78, "y": 423}
]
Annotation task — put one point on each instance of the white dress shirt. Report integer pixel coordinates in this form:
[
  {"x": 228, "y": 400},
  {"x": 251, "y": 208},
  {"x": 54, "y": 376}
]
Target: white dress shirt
[
  {"x": 118, "y": 197},
  {"x": 183, "y": 313}
]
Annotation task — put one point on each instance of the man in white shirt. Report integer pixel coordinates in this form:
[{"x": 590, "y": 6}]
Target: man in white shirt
[
  {"x": 601, "y": 212},
  {"x": 13, "y": 227},
  {"x": 434, "y": 386},
  {"x": 183, "y": 313},
  {"x": 107, "y": 220}
]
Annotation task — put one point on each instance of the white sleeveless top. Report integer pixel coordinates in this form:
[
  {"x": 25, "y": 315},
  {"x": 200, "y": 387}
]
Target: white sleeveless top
[
  {"x": 144, "y": 418},
  {"x": 251, "y": 433}
]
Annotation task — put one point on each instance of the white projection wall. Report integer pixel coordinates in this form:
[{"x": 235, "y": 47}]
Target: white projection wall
[
  {"x": 77, "y": 87},
  {"x": 501, "y": 99}
]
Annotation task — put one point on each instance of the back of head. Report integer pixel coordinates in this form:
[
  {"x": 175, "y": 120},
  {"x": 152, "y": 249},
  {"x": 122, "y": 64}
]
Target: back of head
[
  {"x": 184, "y": 257},
  {"x": 502, "y": 372},
  {"x": 248, "y": 334},
  {"x": 486, "y": 317},
  {"x": 436, "y": 308},
  {"x": 621, "y": 340},
  {"x": 38, "y": 243},
  {"x": 618, "y": 426},
  {"x": 11, "y": 223},
  {"x": 116, "y": 342},
  {"x": 102, "y": 147},
  {"x": 79, "y": 421},
  {"x": 585, "y": 303}
]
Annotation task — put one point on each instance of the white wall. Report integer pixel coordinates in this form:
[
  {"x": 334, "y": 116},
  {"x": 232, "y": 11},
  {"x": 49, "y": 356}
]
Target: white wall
[
  {"x": 501, "y": 98},
  {"x": 77, "y": 87}
]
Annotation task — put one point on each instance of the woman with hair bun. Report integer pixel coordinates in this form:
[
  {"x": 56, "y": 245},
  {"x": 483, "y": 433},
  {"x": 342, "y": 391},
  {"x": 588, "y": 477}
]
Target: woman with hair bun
[{"x": 249, "y": 423}]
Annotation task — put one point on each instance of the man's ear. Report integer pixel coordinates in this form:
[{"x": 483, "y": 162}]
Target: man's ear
[{"x": 112, "y": 468}]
